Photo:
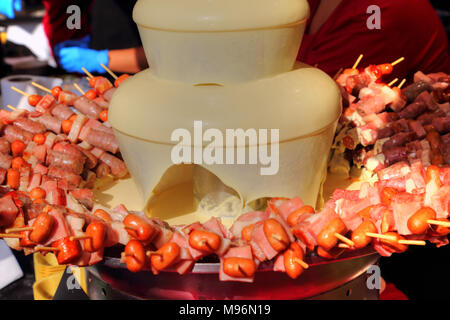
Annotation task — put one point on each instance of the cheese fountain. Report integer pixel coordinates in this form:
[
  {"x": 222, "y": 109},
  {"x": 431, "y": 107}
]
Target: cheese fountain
[{"x": 226, "y": 64}]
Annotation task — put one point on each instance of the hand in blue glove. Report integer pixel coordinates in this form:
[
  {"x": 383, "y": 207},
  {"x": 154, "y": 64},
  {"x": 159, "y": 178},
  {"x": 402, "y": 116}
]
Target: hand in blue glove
[
  {"x": 8, "y": 7},
  {"x": 81, "y": 43},
  {"x": 74, "y": 58}
]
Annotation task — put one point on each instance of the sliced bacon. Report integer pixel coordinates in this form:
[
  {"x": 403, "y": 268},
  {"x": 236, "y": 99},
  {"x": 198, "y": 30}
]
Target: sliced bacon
[
  {"x": 50, "y": 123},
  {"x": 102, "y": 140},
  {"x": 118, "y": 167},
  {"x": 8, "y": 211},
  {"x": 66, "y": 161},
  {"x": 62, "y": 112},
  {"x": 88, "y": 107},
  {"x": 13, "y": 133},
  {"x": 57, "y": 173}
]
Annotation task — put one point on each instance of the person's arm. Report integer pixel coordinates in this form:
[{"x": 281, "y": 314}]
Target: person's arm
[{"x": 127, "y": 60}]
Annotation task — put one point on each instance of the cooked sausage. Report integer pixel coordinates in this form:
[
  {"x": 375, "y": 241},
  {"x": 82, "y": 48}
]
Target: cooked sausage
[
  {"x": 96, "y": 231},
  {"x": 68, "y": 250},
  {"x": 42, "y": 228},
  {"x": 294, "y": 216},
  {"x": 290, "y": 259},
  {"x": 418, "y": 224},
  {"x": 276, "y": 235},
  {"x": 29, "y": 125},
  {"x": 166, "y": 256},
  {"x": 204, "y": 241},
  {"x": 359, "y": 236},
  {"x": 62, "y": 112},
  {"x": 138, "y": 228},
  {"x": 239, "y": 267},
  {"x": 326, "y": 237},
  {"x": 87, "y": 107},
  {"x": 135, "y": 256}
]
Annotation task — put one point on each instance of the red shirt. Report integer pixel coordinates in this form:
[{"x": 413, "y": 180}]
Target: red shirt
[
  {"x": 55, "y": 20},
  {"x": 409, "y": 29}
]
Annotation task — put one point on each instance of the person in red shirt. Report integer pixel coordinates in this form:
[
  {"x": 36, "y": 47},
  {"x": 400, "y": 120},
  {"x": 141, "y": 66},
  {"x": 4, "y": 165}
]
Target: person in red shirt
[{"x": 337, "y": 33}]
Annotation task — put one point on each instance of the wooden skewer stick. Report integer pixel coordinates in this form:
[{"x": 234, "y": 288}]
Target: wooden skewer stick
[
  {"x": 20, "y": 91},
  {"x": 381, "y": 236},
  {"x": 242, "y": 270},
  {"x": 73, "y": 238},
  {"x": 131, "y": 228},
  {"x": 397, "y": 61},
  {"x": 343, "y": 246},
  {"x": 37, "y": 249},
  {"x": 338, "y": 73},
  {"x": 439, "y": 223},
  {"x": 302, "y": 263},
  {"x": 413, "y": 242},
  {"x": 402, "y": 83},
  {"x": 357, "y": 62},
  {"x": 344, "y": 239},
  {"x": 279, "y": 238},
  {"x": 79, "y": 89},
  {"x": 109, "y": 71},
  {"x": 13, "y": 230},
  {"x": 11, "y": 108},
  {"x": 37, "y": 85},
  {"x": 87, "y": 72},
  {"x": 10, "y": 235},
  {"x": 393, "y": 82},
  {"x": 151, "y": 253}
]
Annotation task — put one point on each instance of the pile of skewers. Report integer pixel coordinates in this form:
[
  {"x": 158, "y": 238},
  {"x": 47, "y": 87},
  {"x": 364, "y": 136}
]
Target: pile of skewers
[
  {"x": 47, "y": 204},
  {"x": 382, "y": 126}
]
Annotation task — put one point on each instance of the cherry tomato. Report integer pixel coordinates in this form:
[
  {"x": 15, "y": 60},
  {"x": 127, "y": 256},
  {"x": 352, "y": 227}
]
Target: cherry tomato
[
  {"x": 56, "y": 91},
  {"x": 39, "y": 138},
  {"x": 18, "y": 163},
  {"x": 34, "y": 99},
  {"x": 104, "y": 115},
  {"x": 120, "y": 80},
  {"x": 66, "y": 126},
  {"x": 37, "y": 193},
  {"x": 91, "y": 94},
  {"x": 13, "y": 178},
  {"x": 386, "y": 68},
  {"x": 17, "y": 147}
]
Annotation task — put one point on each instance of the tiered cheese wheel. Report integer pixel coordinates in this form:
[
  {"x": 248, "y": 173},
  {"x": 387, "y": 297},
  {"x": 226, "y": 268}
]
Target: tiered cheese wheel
[{"x": 229, "y": 64}]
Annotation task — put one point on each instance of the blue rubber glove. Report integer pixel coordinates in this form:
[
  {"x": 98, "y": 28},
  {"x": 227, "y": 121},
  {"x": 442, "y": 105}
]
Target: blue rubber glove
[
  {"x": 81, "y": 43},
  {"x": 74, "y": 58},
  {"x": 8, "y": 7}
]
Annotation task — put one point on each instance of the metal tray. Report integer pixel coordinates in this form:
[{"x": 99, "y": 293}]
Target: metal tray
[{"x": 203, "y": 281}]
